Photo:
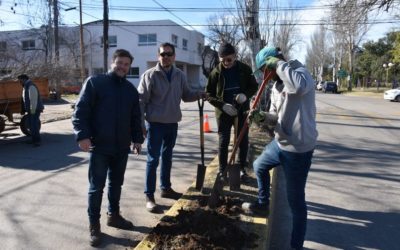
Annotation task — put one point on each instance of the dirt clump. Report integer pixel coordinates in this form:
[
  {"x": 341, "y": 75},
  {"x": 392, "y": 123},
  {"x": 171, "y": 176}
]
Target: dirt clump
[{"x": 199, "y": 227}]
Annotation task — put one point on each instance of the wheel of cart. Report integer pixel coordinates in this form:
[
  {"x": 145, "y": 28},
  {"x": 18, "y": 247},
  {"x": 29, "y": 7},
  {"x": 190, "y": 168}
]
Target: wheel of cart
[
  {"x": 2, "y": 124},
  {"x": 11, "y": 101},
  {"x": 24, "y": 125}
]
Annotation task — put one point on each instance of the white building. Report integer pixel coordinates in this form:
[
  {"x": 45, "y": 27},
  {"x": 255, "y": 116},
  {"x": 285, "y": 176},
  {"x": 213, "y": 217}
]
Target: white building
[{"x": 142, "y": 39}]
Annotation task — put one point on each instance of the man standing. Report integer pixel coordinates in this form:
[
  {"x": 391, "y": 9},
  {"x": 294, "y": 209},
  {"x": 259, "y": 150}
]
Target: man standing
[
  {"x": 230, "y": 86},
  {"x": 32, "y": 104},
  {"x": 293, "y": 112},
  {"x": 161, "y": 90},
  {"x": 107, "y": 120}
]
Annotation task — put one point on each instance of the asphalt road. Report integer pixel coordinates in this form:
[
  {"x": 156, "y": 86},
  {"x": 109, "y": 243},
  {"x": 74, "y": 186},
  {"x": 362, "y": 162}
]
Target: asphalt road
[
  {"x": 43, "y": 191},
  {"x": 353, "y": 189}
]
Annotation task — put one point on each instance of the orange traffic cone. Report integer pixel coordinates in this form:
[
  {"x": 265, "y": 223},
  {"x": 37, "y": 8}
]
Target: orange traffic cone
[{"x": 206, "y": 125}]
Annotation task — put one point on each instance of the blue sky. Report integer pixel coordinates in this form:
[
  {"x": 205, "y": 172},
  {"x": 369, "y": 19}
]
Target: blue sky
[{"x": 92, "y": 10}]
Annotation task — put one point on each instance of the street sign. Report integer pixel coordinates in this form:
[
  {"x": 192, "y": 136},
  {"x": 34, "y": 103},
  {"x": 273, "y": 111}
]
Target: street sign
[{"x": 342, "y": 73}]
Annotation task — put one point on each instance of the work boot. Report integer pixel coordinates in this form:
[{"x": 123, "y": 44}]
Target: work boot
[
  {"x": 95, "y": 234},
  {"x": 116, "y": 220},
  {"x": 151, "y": 205},
  {"x": 170, "y": 194},
  {"x": 243, "y": 175}
]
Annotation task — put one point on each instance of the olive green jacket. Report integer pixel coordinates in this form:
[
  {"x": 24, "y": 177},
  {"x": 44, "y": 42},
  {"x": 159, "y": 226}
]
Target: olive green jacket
[{"x": 216, "y": 84}]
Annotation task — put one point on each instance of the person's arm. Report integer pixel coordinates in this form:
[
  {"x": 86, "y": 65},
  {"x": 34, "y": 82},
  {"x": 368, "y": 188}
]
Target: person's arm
[
  {"x": 82, "y": 115},
  {"x": 296, "y": 78},
  {"x": 33, "y": 98},
  {"x": 188, "y": 94},
  {"x": 211, "y": 90},
  {"x": 144, "y": 90},
  {"x": 136, "y": 122}
]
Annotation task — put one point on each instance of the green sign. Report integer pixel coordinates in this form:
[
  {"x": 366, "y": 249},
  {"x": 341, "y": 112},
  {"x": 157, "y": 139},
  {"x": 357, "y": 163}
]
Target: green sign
[{"x": 342, "y": 73}]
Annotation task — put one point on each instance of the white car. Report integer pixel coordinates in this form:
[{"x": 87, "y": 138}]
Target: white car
[
  {"x": 392, "y": 95},
  {"x": 320, "y": 85}
]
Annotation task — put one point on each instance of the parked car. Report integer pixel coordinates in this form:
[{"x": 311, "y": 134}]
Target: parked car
[
  {"x": 329, "y": 87},
  {"x": 319, "y": 85},
  {"x": 392, "y": 95}
]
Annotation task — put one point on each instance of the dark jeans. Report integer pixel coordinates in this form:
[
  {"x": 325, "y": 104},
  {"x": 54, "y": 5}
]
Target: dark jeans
[
  {"x": 295, "y": 167},
  {"x": 34, "y": 126},
  {"x": 101, "y": 165},
  {"x": 161, "y": 138},
  {"x": 225, "y": 123}
]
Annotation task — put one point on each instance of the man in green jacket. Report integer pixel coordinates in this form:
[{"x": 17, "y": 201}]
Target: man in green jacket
[{"x": 229, "y": 88}]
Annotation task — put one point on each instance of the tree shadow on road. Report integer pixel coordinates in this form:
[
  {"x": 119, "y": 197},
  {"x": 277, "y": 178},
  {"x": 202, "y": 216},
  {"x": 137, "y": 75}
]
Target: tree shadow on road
[
  {"x": 344, "y": 228},
  {"x": 56, "y": 152}
]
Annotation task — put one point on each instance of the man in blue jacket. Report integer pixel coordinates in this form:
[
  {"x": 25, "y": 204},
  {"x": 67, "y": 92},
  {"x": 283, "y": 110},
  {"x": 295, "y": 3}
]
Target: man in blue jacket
[
  {"x": 32, "y": 104},
  {"x": 107, "y": 120}
]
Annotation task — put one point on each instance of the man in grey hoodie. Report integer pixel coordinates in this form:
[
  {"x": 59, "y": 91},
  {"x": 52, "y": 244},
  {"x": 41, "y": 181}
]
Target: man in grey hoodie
[
  {"x": 293, "y": 111},
  {"x": 161, "y": 90}
]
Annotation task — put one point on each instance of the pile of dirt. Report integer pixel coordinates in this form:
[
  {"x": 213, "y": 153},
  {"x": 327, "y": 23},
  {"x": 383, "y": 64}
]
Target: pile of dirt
[{"x": 199, "y": 227}]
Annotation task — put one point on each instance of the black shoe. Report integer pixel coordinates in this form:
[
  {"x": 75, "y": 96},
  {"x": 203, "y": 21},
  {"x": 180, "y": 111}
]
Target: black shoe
[
  {"x": 243, "y": 175},
  {"x": 223, "y": 177},
  {"x": 116, "y": 220},
  {"x": 95, "y": 234},
  {"x": 151, "y": 205},
  {"x": 256, "y": 208},
  {"x": 170, "y": 194}
]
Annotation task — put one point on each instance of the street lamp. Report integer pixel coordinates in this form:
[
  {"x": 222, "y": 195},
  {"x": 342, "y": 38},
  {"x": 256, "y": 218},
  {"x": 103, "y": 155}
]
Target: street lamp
[
  {"x": 83, "y": 71},
  {"x": 387, "y": 67}
]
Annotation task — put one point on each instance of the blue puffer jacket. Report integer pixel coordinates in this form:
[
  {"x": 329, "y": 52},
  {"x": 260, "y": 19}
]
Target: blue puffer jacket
[{"x": 108, "y": 113}]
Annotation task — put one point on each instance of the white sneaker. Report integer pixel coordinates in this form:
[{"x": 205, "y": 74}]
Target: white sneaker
[{"x": 151, "y": 205}]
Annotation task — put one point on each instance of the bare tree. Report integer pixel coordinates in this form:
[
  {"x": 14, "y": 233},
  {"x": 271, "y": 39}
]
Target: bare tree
[
  {"x": 223, "y": 28},
  {"x": 317, "y": 52},
  {"x": 349, "y": 23},
  {"x": 285, "y": 35}
]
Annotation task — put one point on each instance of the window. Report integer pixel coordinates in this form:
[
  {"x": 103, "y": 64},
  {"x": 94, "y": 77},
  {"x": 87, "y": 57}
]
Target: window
[
  {"x": 147, "y": 39},
  {"x": 199, "y": 48},
  {"x": 3, "y": 45},
  {"x": 28, "y": 44},
  {"x": 112, "y": 41},
  {"x": 174, "y": 40},
  {"x": 184, "y": 44},
  {"x": 133, "y": 72}
]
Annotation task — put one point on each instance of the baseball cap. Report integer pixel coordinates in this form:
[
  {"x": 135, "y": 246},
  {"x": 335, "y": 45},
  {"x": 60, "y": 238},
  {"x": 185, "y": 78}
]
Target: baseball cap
[{"x": 263, "y": 54}]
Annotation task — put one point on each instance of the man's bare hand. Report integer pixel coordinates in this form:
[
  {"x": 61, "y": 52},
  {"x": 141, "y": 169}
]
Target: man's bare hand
[
  {"x": 85, "y": 145},
  {"x": 137, "y": 148}
]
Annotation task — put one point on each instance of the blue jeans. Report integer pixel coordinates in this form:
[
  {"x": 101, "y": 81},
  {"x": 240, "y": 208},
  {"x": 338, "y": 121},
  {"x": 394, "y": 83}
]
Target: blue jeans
[
  {"x": 101, "y": 165},
  {"x": 34, "y": 126},
  {"x": 161, "y": 138},
  {"x": 295, "y": 167}
]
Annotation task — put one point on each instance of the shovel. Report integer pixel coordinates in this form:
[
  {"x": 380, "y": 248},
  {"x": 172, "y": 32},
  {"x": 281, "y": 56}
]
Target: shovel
[
  {"x": 217, "y": 191},
  {"x": 201, "y": 168}
]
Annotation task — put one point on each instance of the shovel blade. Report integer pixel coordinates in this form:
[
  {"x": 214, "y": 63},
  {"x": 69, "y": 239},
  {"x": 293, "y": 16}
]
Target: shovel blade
[
  {"x": 234, "y": 177},
  {"x": 201, "y": 172}
]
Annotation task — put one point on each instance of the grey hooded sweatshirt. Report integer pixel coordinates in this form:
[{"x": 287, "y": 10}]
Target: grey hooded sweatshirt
[{"x": 294, "y": 103}]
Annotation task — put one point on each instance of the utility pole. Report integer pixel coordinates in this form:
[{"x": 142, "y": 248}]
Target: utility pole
[
  {"x": 253, "y": 36},
  {"x": 83, "y": 70},
  {"x": 56, "y": 40},
  {"x": 105, "y": 33}
]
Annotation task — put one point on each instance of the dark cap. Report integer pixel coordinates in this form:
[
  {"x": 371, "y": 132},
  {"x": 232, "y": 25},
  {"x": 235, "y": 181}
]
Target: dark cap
[
  {"x": 23, "y": 77},
  {"x": 226, "y": 49}
]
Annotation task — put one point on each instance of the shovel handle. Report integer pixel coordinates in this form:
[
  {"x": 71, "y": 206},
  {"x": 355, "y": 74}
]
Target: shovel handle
[
  {"x": 200, "y": 103},
  {"x": 253, "y": 106}
]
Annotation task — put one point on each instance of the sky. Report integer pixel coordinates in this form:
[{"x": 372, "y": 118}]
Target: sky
[{"x": 195, "y": 14}]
